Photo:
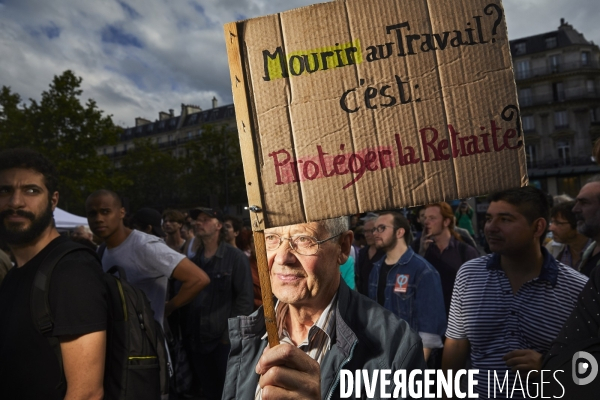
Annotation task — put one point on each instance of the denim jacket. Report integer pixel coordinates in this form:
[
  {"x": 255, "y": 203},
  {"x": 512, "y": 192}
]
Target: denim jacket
[{"x": 419, "y": 301}]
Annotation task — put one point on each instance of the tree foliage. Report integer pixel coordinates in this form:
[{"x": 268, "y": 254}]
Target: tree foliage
[
  {"x": 214, "y": 173},
  {"x": 67, "y": 132},
  {"x": 153, "y": 176}
]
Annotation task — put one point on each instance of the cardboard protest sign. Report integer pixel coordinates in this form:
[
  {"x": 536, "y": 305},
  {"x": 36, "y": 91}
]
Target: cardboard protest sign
[{"x": 351, "y": 106}]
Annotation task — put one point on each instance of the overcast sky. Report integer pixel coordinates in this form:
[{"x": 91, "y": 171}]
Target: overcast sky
[{"x": 139, "y": 57}]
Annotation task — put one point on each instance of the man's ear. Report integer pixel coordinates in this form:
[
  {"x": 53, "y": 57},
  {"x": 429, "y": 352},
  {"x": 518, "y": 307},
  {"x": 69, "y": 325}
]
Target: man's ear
[
  {"x": 345, "y": 246},
  {"x": 122, "y": 212},
  {"x": 400, "y": 233},
  {"x": 54, "y": 200},
  {"x": 539, "y": 226},
  {"x": 447, "y": 222}
]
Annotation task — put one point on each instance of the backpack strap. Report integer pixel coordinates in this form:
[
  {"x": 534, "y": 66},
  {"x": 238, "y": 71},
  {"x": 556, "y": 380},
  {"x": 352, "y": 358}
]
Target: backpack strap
[{"x": 40, "y": 304}]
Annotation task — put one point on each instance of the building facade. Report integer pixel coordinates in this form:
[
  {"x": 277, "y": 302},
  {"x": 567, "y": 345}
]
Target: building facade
[
  {"x": 171, "y": 132},
  {"x": 558, "y": 81}
]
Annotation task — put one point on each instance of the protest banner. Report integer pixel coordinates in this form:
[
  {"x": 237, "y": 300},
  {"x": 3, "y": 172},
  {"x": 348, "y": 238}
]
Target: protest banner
[{"x": 354, "y": 106}]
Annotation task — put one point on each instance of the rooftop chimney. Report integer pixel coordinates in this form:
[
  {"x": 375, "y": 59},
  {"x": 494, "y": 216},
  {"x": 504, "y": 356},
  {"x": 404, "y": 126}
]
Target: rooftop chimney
[
  {"x": 214, "y": 101},
  {"x": 171, "y": 112}
]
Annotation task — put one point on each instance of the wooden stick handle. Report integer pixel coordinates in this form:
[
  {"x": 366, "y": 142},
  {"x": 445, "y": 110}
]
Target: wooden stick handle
[{"x": 265, "y": 288}]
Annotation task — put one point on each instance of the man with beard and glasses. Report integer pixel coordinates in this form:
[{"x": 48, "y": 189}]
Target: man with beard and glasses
[
  {"x": 29, "y": 367},
  {"x": 587, "y": 213},
  {"x": 508, "y": 306},
  {"x": 404, "y": 283}
]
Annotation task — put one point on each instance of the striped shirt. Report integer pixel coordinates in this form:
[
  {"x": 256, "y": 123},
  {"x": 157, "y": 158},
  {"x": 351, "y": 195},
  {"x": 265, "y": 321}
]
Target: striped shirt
[
  {"x": 319, "y": 338},
  {"x": 485, "y": 311}
]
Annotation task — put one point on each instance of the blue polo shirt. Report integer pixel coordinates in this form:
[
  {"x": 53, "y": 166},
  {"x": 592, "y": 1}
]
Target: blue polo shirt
[
  {"x": 413, "y": 292},
  {"x": 485, "y": 311}
]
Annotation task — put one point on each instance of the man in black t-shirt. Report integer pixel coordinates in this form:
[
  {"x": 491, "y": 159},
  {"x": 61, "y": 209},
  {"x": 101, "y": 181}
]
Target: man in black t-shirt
[
  {"x": 587, "y": 213},
  {"x": 29, "y": 367}
]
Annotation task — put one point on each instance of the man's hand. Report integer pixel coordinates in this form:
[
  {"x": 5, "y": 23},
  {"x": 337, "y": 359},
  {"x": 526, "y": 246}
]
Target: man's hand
[
  {"x": 426, "y": 241},
  {"x": 288, "y": 373},
  {"x": 523, "y": 360}
]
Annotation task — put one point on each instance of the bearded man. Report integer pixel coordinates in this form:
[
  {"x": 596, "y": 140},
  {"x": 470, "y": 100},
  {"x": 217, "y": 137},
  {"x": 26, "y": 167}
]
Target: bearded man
[{"x": 30, "y": 369}]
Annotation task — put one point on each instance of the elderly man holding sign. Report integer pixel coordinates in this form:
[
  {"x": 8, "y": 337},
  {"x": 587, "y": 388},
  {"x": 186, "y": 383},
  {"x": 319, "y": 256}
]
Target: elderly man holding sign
[{"x": 323, "y": 326}]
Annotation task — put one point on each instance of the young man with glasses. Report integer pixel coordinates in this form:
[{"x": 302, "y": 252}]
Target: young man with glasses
[
  {"x": 323, "y": 325},
  {"x": 406, "y": 284}
]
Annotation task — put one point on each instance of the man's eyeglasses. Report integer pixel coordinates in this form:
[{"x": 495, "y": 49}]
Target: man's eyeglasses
[
  {"x": 559, "y": 223},
  {"x": 302, "y": 244},
  {"x": 381, "y": 228}
]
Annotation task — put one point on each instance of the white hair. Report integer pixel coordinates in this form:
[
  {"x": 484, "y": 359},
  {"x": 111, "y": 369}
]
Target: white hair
[{"x": 336, "y": 225}]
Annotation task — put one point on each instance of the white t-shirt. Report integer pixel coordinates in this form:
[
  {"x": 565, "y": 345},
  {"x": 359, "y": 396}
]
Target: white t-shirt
[{"x": 148, "y": 263}]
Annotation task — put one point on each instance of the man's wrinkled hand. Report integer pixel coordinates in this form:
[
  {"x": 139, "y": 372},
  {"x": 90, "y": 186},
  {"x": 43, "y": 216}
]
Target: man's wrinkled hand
[{"x": 288, "y": 373}]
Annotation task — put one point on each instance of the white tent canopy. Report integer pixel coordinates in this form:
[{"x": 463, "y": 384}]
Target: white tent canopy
[{"x": 65, "y": 220}]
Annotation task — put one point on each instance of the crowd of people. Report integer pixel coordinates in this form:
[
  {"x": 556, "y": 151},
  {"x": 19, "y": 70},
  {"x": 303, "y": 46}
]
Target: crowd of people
[{"x": 394, "y": 289}]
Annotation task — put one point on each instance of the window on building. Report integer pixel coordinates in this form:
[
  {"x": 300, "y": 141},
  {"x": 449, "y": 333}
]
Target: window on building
[
  {"x": 590, "y": 86},
  {"x": 558, "y": 91},
  {"x": 172, "y": 121},
  {"x": 125, "y": 148},
  {"x": 161, "y": 124},
  {"x": 523, "y": 69},
  {"x": 520, "y": 48},
  {"x": 170, "y": 139},
  {"x": 199, "y": 133},
  {"x": 563, "y": 150},
  {"x": 525, "y": 98},
  {"x": 150, "y": 127},
  {"x": 531, "y": 155},
  {"x": 585, "y": 58},
  {"x": 190, "y": 135},
  {"x": 193, "y": 118},
  {"x": 528, "y": 123},
  {"x": 551, "y": 42},
  {"x": 158, "y": 140},
  {"x": 138, "y": 129},
  {"x": 594, "y": 114},
  {"x": 104, "y": 150},
  {"x": 561, "y": 119},
  {"x": 114, "y": 150},
  {"x": 554, "y": 63},
  {"x": 128, "y": 132}
]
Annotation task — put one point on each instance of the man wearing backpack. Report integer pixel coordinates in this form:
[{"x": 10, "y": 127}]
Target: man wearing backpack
[
  {"x": 147, "y": 260},
  {"x": 29, "y": 367}
]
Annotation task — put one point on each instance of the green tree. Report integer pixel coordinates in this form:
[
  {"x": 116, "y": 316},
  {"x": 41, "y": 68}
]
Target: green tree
[
  {"x": 214, "y": 169},
  {"x": 67, "y": 132},
  {"x": 153, "y": 176}
]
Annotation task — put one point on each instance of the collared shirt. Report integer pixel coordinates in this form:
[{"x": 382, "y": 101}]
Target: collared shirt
[
  {"x": 319, "y": 338},
  {"x": 447, "y": 262},
  {"x": 485, "y": 311},
  {"x": 566, "y": 257}
]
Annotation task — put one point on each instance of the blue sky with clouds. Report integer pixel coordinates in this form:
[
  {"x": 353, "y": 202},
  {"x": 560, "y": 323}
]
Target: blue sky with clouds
[{"x": 139, "y": 57}]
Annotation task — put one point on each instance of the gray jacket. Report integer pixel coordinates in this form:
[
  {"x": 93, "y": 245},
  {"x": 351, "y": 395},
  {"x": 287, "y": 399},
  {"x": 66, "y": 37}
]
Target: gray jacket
[
  {"x": 228, "y": 295},
  {"x": 367, "y": 337}
]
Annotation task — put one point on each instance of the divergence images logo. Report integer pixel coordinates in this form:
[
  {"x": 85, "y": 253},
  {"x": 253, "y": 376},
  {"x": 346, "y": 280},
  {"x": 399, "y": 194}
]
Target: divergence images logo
[{"x": 584, "y": 363}]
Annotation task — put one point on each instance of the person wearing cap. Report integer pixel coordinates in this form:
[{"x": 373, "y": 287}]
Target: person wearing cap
[
  {"x": 229, "y": 295},
  {"x": 148, "y": 220},
  {"x": 147, "y": 260}
]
